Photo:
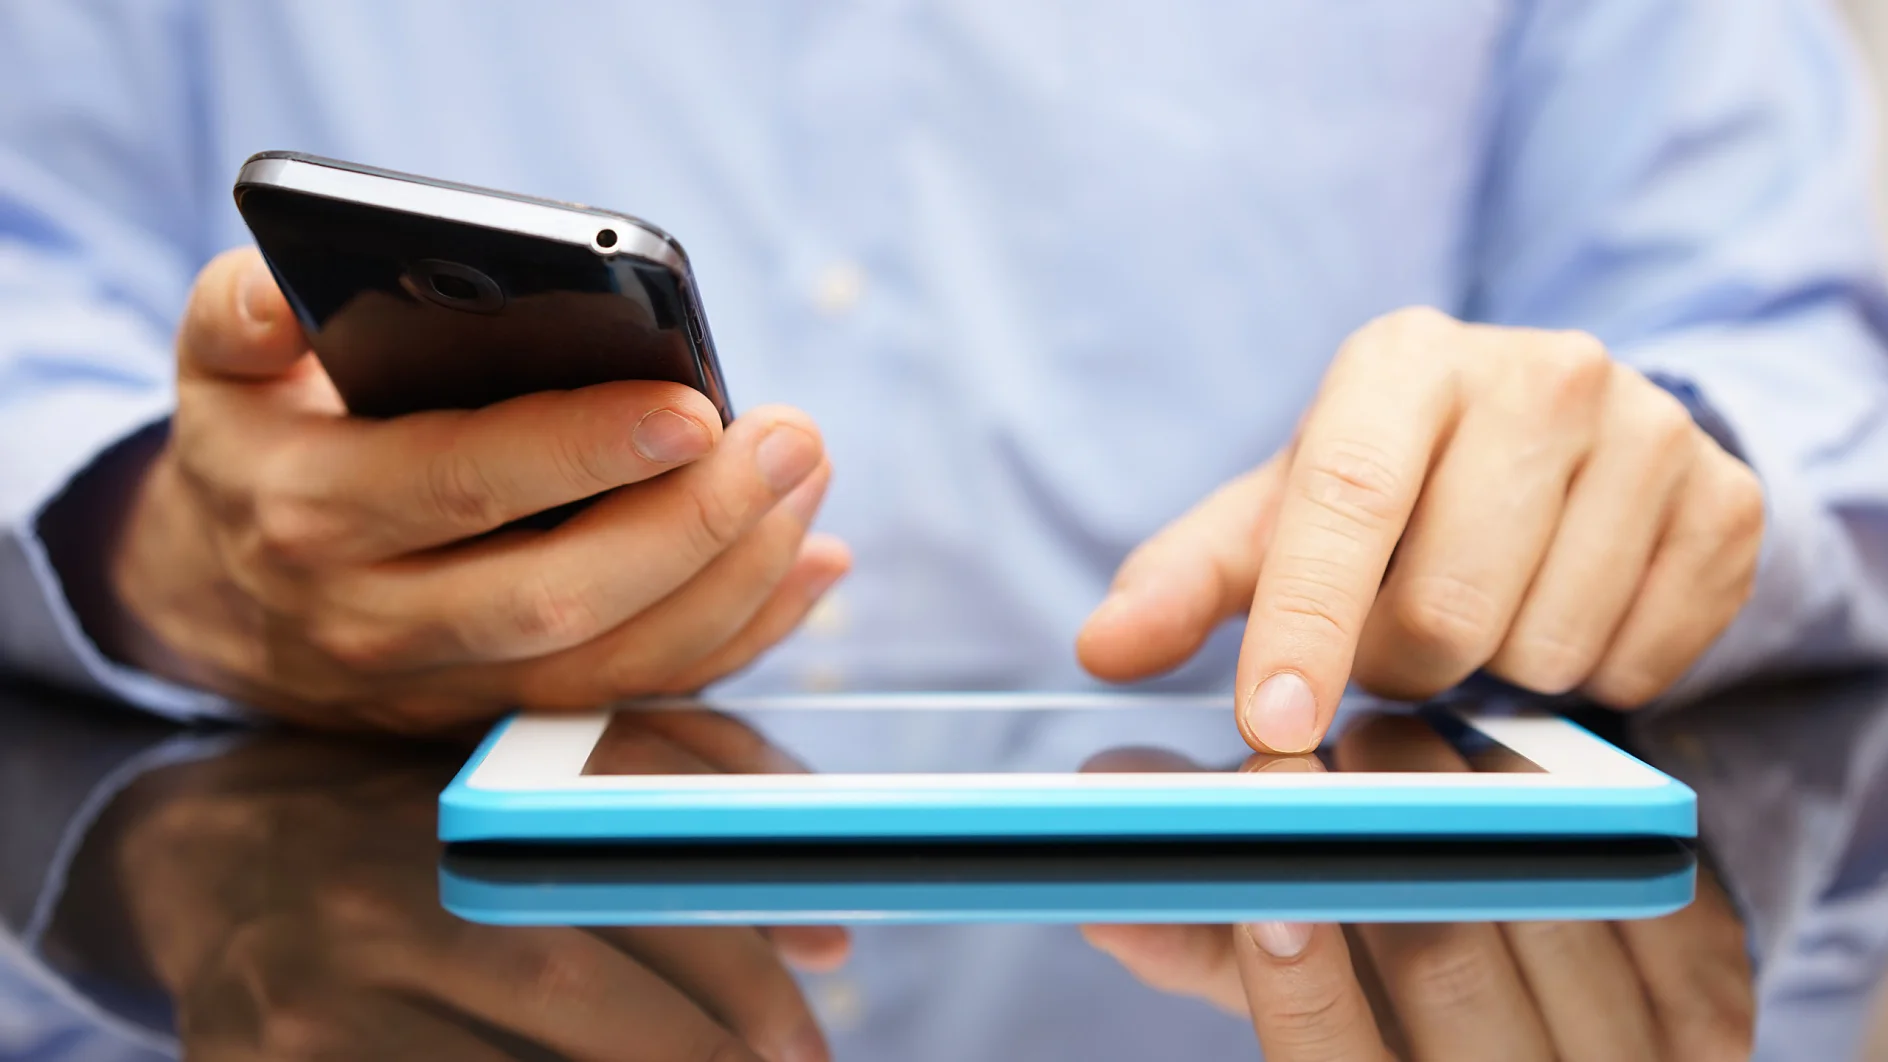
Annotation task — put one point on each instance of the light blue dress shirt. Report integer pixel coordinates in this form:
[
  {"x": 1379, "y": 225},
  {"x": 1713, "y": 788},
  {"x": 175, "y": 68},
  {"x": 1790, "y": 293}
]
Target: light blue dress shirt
[
  {"x": 1045, "y": 276},
  {"x": 1045, "y": 273}
]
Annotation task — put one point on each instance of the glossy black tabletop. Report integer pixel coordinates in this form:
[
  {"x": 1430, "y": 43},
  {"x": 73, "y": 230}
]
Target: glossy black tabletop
[{"x": 231, "y": 893}]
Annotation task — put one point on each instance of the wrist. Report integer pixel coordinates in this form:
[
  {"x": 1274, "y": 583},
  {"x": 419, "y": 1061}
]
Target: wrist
[
  {"x": 159, "y": 596},
  {"x": 85, "y": 528}
]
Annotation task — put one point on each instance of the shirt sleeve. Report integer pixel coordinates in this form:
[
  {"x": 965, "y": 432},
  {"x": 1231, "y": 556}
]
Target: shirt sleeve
[
  {"x": 1690, "y": 181},
  {"x": 100, "y": 235}
]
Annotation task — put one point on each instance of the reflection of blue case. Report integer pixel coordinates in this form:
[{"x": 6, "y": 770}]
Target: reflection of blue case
[
  {"x": 1401, "y": 884},
  {"x": 1664, "y": 807}
]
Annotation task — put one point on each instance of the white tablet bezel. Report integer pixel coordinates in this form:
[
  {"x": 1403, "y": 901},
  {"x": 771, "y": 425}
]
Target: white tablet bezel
[{"x": 548, "y": 753}]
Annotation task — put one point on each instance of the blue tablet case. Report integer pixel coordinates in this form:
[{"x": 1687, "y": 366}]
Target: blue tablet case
[
  {"x": 1019, "y": 812},
  {"x": 1390, "y": 887}
]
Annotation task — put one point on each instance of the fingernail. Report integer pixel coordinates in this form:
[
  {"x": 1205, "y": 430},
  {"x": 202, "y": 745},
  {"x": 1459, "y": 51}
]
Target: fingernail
[
  {"x": 1280, "y": 940},
  {"x": 1282, "y": 714},
  {"x": 804, "y": 499},
  {"x": 665, "y": 437},
  {"x": 256, "y": 295},
  {"x": 785, "y": 457}
]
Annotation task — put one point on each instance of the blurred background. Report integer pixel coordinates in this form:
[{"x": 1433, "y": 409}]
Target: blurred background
[{"x": 1871, "y": 24}]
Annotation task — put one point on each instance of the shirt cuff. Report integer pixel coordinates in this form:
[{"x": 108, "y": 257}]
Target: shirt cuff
[
  {"x": 40, "y": 631},
  {"x": 1811, "y": 605}
]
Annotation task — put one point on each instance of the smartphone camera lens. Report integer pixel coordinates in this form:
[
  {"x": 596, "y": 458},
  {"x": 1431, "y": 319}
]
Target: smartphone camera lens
[
  {"x": 606, "y": 238},
  {"x": 455, "y": 289},
  {"x": 453, "y": 285}
]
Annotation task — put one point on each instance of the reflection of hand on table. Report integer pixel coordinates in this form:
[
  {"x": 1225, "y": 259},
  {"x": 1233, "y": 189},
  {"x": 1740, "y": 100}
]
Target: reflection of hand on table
[
  {"x": 286, "y": 896},
  {"x": 1677, "y": 987}
]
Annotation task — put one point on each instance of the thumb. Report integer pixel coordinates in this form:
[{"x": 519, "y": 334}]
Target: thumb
[
  {"x": 237, "y": 324},
  {"x": 1176, "y": 587}
]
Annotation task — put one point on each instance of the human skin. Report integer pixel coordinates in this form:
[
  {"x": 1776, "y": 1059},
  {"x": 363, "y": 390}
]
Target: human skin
[
  {"x": 285, "y": 895},
  {"x": 1458, "y": 497},
  {"x": 347, "y": 572},
  {"x": 1678, "y": 987}
]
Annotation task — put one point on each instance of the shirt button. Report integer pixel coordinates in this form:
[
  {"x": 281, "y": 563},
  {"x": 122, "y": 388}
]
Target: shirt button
[
  {"x": 838, "y": 288},
  {"x": 839, "y": 1004},
  {"x": 822, "y": 678},
  {"x": 829, "y": 618}
]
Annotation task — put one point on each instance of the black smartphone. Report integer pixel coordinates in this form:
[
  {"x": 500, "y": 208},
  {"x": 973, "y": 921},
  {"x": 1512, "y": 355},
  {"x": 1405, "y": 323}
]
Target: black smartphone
[{"x": 421, "y": 294}]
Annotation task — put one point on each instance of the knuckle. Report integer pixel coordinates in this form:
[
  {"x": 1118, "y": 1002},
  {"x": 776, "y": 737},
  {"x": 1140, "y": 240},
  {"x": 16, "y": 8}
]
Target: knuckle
[
  {"x": 293, "y": 531},
  {"x": 288, "y": 1024},
  {"x": 1584, "y": 353},
  {"x": 580, "y": 465},
  {"x": 1307, "y": 1019},
  {"x": 1546, "y": 662},
  {"x": 298, "y": 1032},
  {"x": 1741, "y": 504},
  {"x": 553, "y": 977},
  {"x": 1354, "y": 482},
  {"x": 357, "y": 644},
  {"x": 253, "y": 950},
  {"x": 541, "y": 611},
  {"x": 1665, "y": 423},
  {"x": 1313, "y": 592},
  {"x": 712, "y": 523},
  {"x": 1448, "y": 616},
  {"x": 1412, "y": 328},
  {"x": 353, "y": 909},
  {"x": 458, "y": 490},
  {"x": 1411, "y": 322},
  {"x": 1572, "y": 369},
  {"x": 1449, "y": 979}
]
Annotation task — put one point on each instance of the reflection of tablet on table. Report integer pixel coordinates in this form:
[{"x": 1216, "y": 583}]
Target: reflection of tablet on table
[
  {"x": 1206, "y": 882},
  {"x": 554, "y": 779}
]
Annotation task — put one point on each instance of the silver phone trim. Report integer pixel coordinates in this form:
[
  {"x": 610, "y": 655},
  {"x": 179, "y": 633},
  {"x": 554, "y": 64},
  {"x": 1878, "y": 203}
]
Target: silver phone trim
[{"x": 564, "y": 224}]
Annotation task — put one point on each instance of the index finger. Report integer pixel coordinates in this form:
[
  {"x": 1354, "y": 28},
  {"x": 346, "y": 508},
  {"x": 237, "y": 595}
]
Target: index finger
[
  {"x": 1386, "y": 402},
  {"x": 1306, "y": 1002},
  {"x": 736, "y": 977}
]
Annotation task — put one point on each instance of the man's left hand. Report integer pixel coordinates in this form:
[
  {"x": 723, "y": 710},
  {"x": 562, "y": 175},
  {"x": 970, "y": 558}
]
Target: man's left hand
[{"x": 1458, "y": 497}]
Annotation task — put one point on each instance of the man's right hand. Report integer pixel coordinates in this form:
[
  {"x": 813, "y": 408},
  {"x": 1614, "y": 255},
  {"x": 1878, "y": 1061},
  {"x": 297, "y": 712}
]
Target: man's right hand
[{"x": 340, "y": 571}]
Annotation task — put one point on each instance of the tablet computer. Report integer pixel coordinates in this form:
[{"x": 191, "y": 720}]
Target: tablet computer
[
  {"x": 1080, "y": 882},
  {"x": 993, "y": 767}
]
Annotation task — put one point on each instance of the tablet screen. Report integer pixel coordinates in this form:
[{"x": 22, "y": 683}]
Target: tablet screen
[
  {"x": 1007, "y": 765},
  {"x": 1059, "y": 736}
]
